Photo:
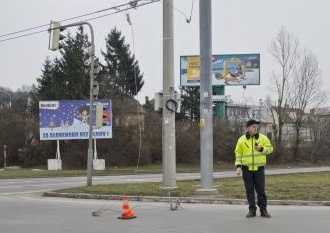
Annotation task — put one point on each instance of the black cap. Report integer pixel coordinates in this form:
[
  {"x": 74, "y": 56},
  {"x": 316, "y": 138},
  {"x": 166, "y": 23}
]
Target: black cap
[{"x": 252, "y": 122}]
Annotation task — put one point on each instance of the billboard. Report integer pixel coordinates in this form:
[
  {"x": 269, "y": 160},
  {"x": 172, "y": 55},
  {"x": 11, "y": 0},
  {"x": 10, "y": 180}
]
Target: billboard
[
  {"x": 232, "y": 69},
  {"x": 68, "y": 119}
]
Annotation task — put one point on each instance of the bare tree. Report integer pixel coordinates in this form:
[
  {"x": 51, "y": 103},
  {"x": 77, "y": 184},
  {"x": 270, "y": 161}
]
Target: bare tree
[
  {"x": 320, "y": 124},
  {"x": 285, "y": 50},
  {"x": 305, "y": 92}
]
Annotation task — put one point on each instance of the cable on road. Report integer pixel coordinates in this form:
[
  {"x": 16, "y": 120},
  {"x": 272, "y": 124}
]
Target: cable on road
[
  {"x": 173, "y": 204},
  {"x": 102, "y": 210}
]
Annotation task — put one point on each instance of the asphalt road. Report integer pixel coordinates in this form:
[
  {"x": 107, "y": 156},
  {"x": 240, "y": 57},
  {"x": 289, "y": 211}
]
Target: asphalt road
[
  {"x": 24, "y": 209},
  {"x": 53, "y": 215}
]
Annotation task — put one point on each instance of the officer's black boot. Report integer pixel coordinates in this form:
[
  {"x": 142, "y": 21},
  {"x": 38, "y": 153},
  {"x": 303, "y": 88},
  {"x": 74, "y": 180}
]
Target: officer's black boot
[
  {"x": 252, "y": 213},
  {"x": 264, "y": 213}
]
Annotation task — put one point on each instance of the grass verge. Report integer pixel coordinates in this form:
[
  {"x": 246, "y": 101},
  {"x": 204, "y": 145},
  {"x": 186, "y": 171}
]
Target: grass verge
[{"x": 305, "y": 186}]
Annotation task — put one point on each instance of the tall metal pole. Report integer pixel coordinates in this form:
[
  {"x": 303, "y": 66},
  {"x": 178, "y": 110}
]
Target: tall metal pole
[
  {"x": 206, "y": 113},
  {"x": 91, "y": 103},
  {"x": 168, "y": 123}
]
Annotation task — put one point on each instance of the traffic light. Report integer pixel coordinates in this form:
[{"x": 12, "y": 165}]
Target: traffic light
[
  {"x": 105, "y": 117},
  {"x": 98, "y": 114},
  {"x": 96, "y": 89},
  {"x": 56, "y": 36},
  {"x": 97, "y": 67}
]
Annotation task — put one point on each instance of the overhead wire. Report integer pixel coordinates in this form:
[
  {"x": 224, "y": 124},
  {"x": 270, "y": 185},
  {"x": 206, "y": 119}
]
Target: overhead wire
[
  {"x": 128, "y": 19},
  {"x": 116, "y": 8},
  {"x": 23, "y": 30},
  {"x": 188, "y": 19},
  {"x": 174, "y": 206},
  {"x": 71, "y": 18},
  {"x": 28, "y": 34},
  {"x": 191, "y": 11}
]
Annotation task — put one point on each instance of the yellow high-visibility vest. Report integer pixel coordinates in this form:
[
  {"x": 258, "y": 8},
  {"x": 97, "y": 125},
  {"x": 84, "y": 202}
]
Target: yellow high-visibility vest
[{"x": 246, "y": 155}]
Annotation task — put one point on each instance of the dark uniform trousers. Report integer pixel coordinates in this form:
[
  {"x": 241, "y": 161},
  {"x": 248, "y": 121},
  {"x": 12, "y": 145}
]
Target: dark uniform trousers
[{"x": 255, "y": 181}]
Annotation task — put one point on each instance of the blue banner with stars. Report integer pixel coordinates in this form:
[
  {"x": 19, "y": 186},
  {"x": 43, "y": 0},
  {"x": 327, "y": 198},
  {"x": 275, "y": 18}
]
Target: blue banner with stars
[{"x": 69, "y": 119}]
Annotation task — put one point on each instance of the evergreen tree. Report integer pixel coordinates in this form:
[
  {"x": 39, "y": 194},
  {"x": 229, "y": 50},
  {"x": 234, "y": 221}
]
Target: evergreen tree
[
  {"x": 123, "y": 77},
  {"x": 45, "y": 89},
  {"x": 74, "y": 67},
  {"x": 190, "y": 103},
  {"x": 66, "y": 77}
]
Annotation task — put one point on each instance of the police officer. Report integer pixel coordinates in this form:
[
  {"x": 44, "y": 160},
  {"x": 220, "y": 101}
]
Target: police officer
[{"x": 250, "y": 152}]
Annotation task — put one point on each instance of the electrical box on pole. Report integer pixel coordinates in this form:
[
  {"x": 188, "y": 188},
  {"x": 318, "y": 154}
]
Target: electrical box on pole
[{"x": 158, "y": 101}]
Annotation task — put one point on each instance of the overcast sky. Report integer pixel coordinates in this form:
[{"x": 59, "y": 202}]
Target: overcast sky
[{"x": 238, "y": 27}]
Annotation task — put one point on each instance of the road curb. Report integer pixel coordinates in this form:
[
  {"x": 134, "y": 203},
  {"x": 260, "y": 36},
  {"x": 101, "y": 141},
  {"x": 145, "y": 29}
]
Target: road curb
[{"x": 203, "y": 200}]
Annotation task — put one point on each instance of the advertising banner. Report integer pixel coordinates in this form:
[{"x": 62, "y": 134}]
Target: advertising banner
[
  {"x": 232, "y": 69},
  {"x": 69, "y": 119}
]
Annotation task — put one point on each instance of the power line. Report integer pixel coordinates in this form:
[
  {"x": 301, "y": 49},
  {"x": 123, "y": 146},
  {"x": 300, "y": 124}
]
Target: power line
[
  {"x": 191, "y": 11},
  {"x": 118, "y": 8},
  {"x": 121, "y": 10},
  {"x": 28, "y": 34},
  {"x": 188, "y": 19},
  {"x": 24, "y": 30}
]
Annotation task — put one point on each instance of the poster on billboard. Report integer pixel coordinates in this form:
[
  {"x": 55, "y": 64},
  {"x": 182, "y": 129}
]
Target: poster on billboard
[
  {"x": 69, "y": 119},
  {"x": 231, "y": 69}
]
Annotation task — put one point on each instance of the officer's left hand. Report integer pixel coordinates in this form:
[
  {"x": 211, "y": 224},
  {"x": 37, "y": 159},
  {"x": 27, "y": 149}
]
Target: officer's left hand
[{"x": 258, "y": 148}]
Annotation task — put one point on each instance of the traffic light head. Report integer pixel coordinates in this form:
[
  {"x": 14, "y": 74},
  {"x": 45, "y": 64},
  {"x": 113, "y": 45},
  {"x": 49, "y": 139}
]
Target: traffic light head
[
  {"x": 97, "y": 67},
  {"x": 98, "y": 114},
  {"x": 96, "y": 89},
  {"x": 56, "y": 36},
  {"x": 105, "y": 118}
]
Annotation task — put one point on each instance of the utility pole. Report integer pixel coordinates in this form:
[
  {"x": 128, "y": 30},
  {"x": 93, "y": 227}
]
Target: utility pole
[
  {"x": 168, "y": 121},
  {"x": 206, "y": 113}
]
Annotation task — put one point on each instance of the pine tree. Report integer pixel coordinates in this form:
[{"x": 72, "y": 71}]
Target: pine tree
[
  {"x": 190, "y": 103},
  {"x": 66, "y": 77},
  {"x": 46, "y": 81},
  {"x": 123, "y": 77},
  {"x": 74, "y": 67}
]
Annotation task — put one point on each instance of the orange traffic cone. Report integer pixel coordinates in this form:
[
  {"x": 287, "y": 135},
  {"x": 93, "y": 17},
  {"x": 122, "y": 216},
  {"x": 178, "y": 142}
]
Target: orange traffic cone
[{"x": 126, "y": 212}]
